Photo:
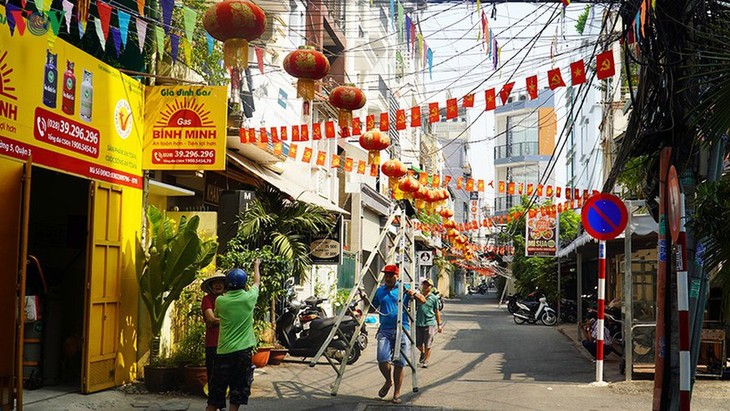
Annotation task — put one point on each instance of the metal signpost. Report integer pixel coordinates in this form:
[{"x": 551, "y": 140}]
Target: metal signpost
[{"x": 604, "y": 217}]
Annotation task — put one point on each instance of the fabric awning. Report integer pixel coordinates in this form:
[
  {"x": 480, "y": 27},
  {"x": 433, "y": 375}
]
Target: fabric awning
[{"x": 284, "y": 184}]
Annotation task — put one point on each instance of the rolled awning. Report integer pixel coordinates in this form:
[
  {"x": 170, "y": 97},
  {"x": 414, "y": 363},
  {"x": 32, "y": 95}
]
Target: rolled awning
[{"x": 285, "y": 184}]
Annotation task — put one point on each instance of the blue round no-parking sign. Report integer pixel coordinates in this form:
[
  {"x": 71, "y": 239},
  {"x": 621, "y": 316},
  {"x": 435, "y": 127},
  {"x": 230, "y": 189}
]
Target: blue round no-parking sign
[{"x": 604, "y": 216}]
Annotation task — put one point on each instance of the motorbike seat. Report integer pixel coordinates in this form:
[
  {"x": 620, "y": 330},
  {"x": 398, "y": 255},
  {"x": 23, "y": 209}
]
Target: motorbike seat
[{"x": 321, "y": 323}]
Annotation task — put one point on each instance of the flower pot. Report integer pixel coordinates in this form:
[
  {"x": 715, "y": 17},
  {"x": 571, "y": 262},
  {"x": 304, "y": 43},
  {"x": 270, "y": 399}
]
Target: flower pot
[
  {"x": 159, "y": 379},
  {"x": 195, "y": 379},
  {"x": 277, "y": 355},
  {"x": 261, "y": 357}
]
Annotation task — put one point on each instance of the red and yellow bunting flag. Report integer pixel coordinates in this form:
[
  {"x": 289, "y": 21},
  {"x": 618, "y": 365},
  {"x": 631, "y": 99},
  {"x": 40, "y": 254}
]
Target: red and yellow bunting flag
[
  {"x": 251, "y": 135},
  {"x": 307, "y": 156},
  {"x": 278, "y": 148},
  {"x": 242, "y": 135},
  {"x": 447, "y": 179},
  {"x": 549, "y": 191},
  {"x": 369, "y": 122},
  {"x": 459, "y": 182},
  {"x": 532, "y": 89},
  {"x": 434, "y": 115},
  {"x": 576, "y": 193},
  {"x": 374, "y": 170},
  {"x": 530, "y": 188},
  {"x": 501, "y": 187},
  {"x": 505, "y": 92},
  {"x": 605, "y": 67},
  {"x": 555, "y": 79},
  {"x": 491, "y": 100},
  {"x": 284, "y": 136},
  {"x": 264, "y": 135},
  {"x": 423, "y": 178},
  {"x": 335, "y": 161},
  {"x": 577, "y": 72},
  {"x": 361, "y": 167},
  {"x": 469, "y": 184},
  {"x": 274, "y": 134},
  {"x": 348, "y": 164},
  {"x": 435, "y": 180},
  {"x": 356, "y": 126},
  {"x": 329, "y": 129},
  {"x": 416, "y": 116},
  {"x": 295, "y": 134},
  {"x": 344, "y": 132},
  {"x": 317, "y": 131},
  {"x": 321, "y": 158},
  {"x": 452, "y": 109},
  {"x": 511, "y": 188},
  {"x": 384, "y": 122},
  {"x": 558, "y": 190},
  {"x": 304, "y": 130},
  {"x": 539, "y": 190},
  {"x": 480, "y": 185},
  {"x": 568, "y": 193},
  {"x": 293, "y": 151},
  {"x": 520, "y": 188},
  {"x": 400, "y": 119},
  {"x": 468, "y": 101}
]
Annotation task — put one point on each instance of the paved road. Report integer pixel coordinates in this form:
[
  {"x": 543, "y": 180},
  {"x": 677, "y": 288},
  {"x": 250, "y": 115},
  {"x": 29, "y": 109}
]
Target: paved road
[{"x": 482, "y": 361}]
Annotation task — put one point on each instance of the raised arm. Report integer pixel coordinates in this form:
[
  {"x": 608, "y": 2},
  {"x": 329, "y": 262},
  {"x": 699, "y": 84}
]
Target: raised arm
[{"x": 256, "y": 273}]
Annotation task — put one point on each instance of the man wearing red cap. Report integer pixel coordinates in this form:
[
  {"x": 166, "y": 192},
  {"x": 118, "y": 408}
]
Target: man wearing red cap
[{"x": 386, "y": 302}]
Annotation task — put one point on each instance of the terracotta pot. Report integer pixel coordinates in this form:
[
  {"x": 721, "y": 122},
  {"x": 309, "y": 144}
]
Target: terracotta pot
[
  {"x": 195, "y": 379},
  {"x": 277, "y": 355},
  {"x": 159, "y": 379},
  {"x": 261, "y": 357}
]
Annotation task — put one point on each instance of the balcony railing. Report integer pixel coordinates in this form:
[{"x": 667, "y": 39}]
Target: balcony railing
[
  {"x": 336, "y": 10},
  {"x": 383, "y": 87},
  {"x": 504, "y": 203},
  {"x": 516, "y": 150}
]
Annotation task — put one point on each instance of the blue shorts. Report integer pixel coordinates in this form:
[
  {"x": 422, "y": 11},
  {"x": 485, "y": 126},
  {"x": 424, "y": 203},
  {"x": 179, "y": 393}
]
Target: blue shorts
[{"x": 386, "y": 343}]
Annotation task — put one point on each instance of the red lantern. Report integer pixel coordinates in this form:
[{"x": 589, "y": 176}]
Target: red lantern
[
  {"x": 449, "y": 224},
  {"x": 347, "y": 98},
  {"x": 394, "y": 169},
  {"x": 235, "y": 23},
  {"x": 308, "y": 65},
  {"x": 373, "y": 141},
  {"x": 452, "y": 233},
  {"x": 446, "y": 213},
  {"x": 408, "y": 185}
]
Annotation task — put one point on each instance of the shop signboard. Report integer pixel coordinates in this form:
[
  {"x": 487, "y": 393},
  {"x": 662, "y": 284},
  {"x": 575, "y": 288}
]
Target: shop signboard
[
  {"x": 542, "y": 235},
  {"x": 185, "y": 128},
  {"x": 68, "y": 110},
  {"x": 326, "y": 246}
]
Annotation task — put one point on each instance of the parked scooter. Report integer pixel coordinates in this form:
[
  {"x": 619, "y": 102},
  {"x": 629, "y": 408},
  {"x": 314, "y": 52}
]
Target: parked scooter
[
  {"x": 532, "y": 312},
  {"x": 482, "y": 288}
]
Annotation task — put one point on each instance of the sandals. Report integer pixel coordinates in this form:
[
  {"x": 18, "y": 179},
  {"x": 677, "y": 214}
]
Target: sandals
[
  {"x": 397, "y": 400},
  {"x": 384, "y": 391}
]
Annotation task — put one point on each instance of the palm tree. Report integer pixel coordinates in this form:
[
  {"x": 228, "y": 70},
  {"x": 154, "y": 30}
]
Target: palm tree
[{"x": 274, "y": 219}]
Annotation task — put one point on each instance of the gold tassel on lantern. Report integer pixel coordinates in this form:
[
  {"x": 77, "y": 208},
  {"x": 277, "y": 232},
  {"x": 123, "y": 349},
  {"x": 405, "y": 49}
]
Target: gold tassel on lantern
[
  {"x": 305, "y": 88},
  {"x": 235, "y": 53},
  {"x": 374, "y": 157},
  {"x": 345, "y": 118}
]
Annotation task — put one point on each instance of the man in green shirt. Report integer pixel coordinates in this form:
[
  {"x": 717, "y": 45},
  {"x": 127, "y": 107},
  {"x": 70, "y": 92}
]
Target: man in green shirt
[
  {"x": 428, "y": 321},
  {"x": 233, "y": 368}
]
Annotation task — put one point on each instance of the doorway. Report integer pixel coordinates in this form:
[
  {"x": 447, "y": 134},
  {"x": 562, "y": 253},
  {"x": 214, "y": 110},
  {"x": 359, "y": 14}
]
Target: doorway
[{"x": 58, "y": 239}]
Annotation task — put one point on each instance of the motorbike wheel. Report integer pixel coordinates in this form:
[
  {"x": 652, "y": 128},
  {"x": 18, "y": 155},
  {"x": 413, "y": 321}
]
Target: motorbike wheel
[
  {"x": 518, "y": 320},
  {"x": 549, "y": 318},
  {"x": 512, "y": 308},
  {"x": 362, "y": 341},
  {"x": 338, "y": 355}
]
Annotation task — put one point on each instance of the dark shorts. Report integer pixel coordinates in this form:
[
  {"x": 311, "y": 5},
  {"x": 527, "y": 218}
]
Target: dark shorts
[
  {"x": 233, "y": 370},
  {"x": 424, "y": 335},
  {"x": 210, "y": 354}
]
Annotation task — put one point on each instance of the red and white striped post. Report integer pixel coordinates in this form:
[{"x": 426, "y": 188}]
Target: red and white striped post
[
  {"x": 601, "y": 307},
  {"x": 683, "y": 309}
]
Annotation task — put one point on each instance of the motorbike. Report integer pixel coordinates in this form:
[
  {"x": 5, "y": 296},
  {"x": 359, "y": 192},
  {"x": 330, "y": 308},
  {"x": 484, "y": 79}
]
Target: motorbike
[
  {"x": 512, "y": 300},
  {"x": 482, "y": 288},
  {"x": 533, "y": 312}
]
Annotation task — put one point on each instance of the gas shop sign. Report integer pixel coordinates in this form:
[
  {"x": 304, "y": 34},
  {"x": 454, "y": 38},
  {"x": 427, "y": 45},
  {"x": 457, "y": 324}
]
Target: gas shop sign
[
  {"x": 542, "y": 235},
  {"x": 185, "y": 128},
  {"x": 326, "y": 247}
]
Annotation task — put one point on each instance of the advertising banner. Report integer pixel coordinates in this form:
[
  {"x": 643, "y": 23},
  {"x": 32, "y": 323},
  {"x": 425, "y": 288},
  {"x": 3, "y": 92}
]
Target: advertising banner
[
  {"x": 68, "y": 110},
  {"x": 326, "y": 247},
  {"x": 185, "y": 128},
  {"x": 542, "y": 235}
]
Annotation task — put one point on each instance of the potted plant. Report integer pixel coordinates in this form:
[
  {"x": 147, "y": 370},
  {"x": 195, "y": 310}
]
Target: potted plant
[
  {"x": 277, "y": 354},
  {"x": 168, "y": 259},
  {"x": 263, "y": 347},
  {"x": 190, "y": 354}
]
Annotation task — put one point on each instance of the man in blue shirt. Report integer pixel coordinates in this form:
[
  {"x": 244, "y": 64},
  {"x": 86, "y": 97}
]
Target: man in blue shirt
[{"x": 386, "y": 302}]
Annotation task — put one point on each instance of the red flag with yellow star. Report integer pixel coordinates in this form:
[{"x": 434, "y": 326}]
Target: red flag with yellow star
[
  {"x": 361, "y": 167},
  {"x": 321, "y": 158},
  {"x": 577, "y": 72},
  {"x": 539, "y": 190},
  {"x": 433, "y": 113},
  {"x": 335, "y": 161},
  {"x": 480, "y": 185},
  {"x": 530, "y": 188},
  {"x": 242, "y": 135},
  {"x": 558, "y": 191},
  {"x": 295, "y": 133},
  {"x": 400, "y": 119},
  {"x": 329, "y": 129},
  {"x": 532, "y": 89},
  {"x": 274, "y": 135},
  {"x": 384, "y": 122},
  {"x": 447, "y": 179},
  {"x": 307, "y": 156},
  {"x": 435, "y": 180},
  {"x": 304, "y": 132},
  {"x": 348, "y": 164},
  {"x": 511, "y": 188},
  {"x": 423, "y": 178},
  {"x": 459, "y": 182},
  {"x": 605, "y": 67},
  {"x": 251, "y": 135},
  {"x": 293, "y": 151},
  {"x": 555, "y": 79},
  {"x": 468, "y": 101},
  {"x": 278, "y": 148},
  {"x": 505, "y": 92},
  {"x": 452, "y": 109},
  {"x": 520, "y": 188},
  {"x": 264, "y": 135},
  {"x": 490, "y": 99},
  {"x": 416, "y": 116},
  {"x": 469, "y": 184},
  {"x": 501, "y": 187}
]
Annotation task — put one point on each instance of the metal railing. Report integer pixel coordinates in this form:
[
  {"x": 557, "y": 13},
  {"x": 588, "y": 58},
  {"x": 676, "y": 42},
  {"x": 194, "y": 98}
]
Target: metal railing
[{"x": 516, "y": 150}]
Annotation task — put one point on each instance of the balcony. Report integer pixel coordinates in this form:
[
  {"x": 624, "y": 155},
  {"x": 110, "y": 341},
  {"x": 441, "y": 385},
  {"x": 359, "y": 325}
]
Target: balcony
[
  {"x": 336, "y": 12},
  {"x": 516, "y": 150},
  {"x": 503, "y": 203}
]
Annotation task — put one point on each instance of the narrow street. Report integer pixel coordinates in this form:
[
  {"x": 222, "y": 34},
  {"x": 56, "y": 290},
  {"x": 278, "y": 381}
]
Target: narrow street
[{"x": 482, "y": 361}]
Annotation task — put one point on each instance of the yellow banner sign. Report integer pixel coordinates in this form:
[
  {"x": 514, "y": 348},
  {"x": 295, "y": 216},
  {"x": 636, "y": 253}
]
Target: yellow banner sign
[
  {"x": 185, "y": 128},
  {"x": 68, "y": 110}
]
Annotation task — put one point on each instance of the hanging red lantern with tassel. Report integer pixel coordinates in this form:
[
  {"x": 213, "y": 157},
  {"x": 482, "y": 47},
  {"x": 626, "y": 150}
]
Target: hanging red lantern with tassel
[
  {"x": 408, "y": 185},
  {"x": 235, "y": 23},
  {"x": 307, "y": 65},
  {"x": 446, "y": 213},
  {"x": 374, "y": 141},
  {"x": 394, "y": 169},
  {"x": 347, "y": 98}
]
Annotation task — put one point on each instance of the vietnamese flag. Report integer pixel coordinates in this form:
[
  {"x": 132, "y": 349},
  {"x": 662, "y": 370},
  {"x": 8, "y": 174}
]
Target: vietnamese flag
[
  {"x": 558, "y": 190},
  {"x": 480, "y": 185},
  {"x": 423, "y": 178},
  {"x": 500, "y": 187},
  {"x": 307, "y": 156},
  {"x": 605, "y": 67},
  {"x": 274, "y": 135},
  {"x": 384, "y": 122},
  {"x": 530, "y": 188},
  {"x": 321, "y": 157},
  {"x": 505, "y": 92},
  {"x": 452, "y": 109},
  {"x": 348, "y": 164},
  {"x": 317, "y": 131},
  {"x": 577, "y": 72},
  {"x": 459, "y": 182},
  {"x": 532, "y": 89},
  {"x": 329, "y": 129},
  {"x": 490, "y": 99},
  {"x": 555, "y": 79},
  {"x": 304, "y": 131},
  {"x": 264, "y": 135},
  {"x": 560, "y": 208},
  {"x": 416, "y": 116},
  {"x": 470, "y": 184},
  {"x": 361, "y": 167},
  {"x": 400, "y": 119},
  {"x": 539, "y": 190},
  {"x": 242, "y": 135},
  {"x": 435, "y": 180},
  {"x": 568, "y": 193},
  {"x": 511, "y": 188},
  {"x": 251, "y": 135},
  {"x": 370, "y": 122},
  {"x": 433, "y": 113},
  {"x": 520, "y": 188},
  {"x": 293, "y": 151},
  {"x": 576, "y": 193},
  {"x": 295, "y": 133},
  {"x": 468, "y": 101},
  {"x": 549, "y": 191},
  {"x": 335, "y": 161},
  {"x": 586, "y": 195},
  {"x": 356, "y": 126},
  {"x": 278, "y": 148},
  {"x": 447, "y": 179}
]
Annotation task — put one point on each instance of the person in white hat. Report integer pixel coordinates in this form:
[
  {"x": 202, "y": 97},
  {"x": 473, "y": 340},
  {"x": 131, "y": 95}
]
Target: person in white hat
[
  {"x": 213, "y": 286},
  {"x": 428, "y": 321}
]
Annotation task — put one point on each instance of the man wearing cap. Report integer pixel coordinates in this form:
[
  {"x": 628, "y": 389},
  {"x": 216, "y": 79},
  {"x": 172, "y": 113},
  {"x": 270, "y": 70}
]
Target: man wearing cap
[
  {"x": 386, "y": 302},
  {"x": 213, "y": 287},
  {"x": 428, "y": 321}
]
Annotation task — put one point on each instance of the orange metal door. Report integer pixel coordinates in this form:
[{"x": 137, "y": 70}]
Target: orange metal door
[
  {"x": 102, "y": 287},
  {"x": 14, "y": 196}
]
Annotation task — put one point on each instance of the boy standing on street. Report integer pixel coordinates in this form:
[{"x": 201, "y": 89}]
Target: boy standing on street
[
  {"x": 236, "y": 340},
  {"x": 428, "y": 321}
]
